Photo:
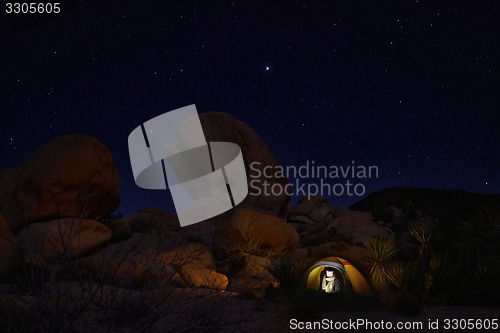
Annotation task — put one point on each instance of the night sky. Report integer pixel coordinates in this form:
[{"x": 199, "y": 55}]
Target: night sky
[{"x": 410, "y": 86}]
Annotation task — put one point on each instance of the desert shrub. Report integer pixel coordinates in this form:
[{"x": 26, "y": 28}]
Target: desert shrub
[
  {"x": 380, "y": 251},
  {"x": 287, "y": 272},
  {"x": 397, "y": 274},
  {"x": 440, "y": 276},
  {"x": 473, "y": 234}
]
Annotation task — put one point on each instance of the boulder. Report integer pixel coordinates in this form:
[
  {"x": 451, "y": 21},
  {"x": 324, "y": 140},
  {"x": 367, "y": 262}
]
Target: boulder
[
  {"x": 132, "y": 271},
  {"x": 320, "y": 213},
  {"x": 301, "y": 219},
  {"x": 62, "y": 239},
  {"x": 192, "y": 254},
  {"x": 252, "y": 278},
  {"x": 219, "y": 126},
  {"x": 309, "y": 204},
  {"x": 155, "y": 221},
  {"x": 189, "y": 265},
  {"x": 152, "y": 246},
  {"x": 311, "y": 210},
  {"x": 190, "y": 276},
  {"x": 354, "y": 254},
  {"x": 9, "y": 249},
  {"x": 201, "y": 232},
  {"x": 70, "y": 176},
  {"x": 4, "y": 226},
  {"x": 137, "y": 244},
  {"x": 256, "y": 233},
  {"x": 120, "y": 229},
  {"x": 357, "y": 228}
]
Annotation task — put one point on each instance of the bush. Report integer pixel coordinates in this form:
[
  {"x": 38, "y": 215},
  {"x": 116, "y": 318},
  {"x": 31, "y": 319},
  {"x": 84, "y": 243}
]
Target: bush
[
  {"x": 380, "y": 252},
  {"x": 287, "y": 272}
]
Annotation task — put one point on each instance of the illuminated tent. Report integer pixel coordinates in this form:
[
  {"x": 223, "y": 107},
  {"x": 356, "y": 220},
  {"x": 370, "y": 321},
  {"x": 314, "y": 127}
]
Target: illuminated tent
[{"x": 352, "y": 281}]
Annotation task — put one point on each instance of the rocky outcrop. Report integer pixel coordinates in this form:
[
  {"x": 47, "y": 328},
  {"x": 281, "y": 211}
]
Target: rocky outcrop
[
  {"x": 357, "y": 228},
  {"x": 310, "y": 217},
  {"x": 4, "y": 226},
  {"x": 9, "y": 249},
  {"x": 138, "y": 243},
  {"x": 219, "y": 126},
  {"x": 426, "y": 202},
  {"x": 252, "y": 278},
  {"x": 62, "y": 239},
  {"x": 155, "y": 221},
  {"x": 191, "y": 276},
  {"x": 353, "y": 254},
  {"x": 70, "y": 176},
  {"x": 120, "y": 229},
  {"x": 311, "y": 209},
  {"x": 325, "y": 232},
  {"x": 191, "y": 254},
  {"x": 252, "y": 232},
  {"x": 143, "y": 262}
]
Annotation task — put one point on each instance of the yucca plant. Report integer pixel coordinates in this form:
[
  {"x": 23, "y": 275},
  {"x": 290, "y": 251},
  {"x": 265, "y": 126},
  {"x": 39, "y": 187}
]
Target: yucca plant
[
  {"x": 423, "y": 236},
  {"x": 287, "y": 272},
  {"x": 380, "y": 251},
  {"x": 397, "y": 275},
  {"x": 487, "y": 275},
  {"x": 474, "y": 231},
  {"x": 439, "y": 277},
  {"x": 437, "y": 268}
]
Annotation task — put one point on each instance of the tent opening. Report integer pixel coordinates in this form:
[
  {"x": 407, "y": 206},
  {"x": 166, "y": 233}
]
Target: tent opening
[
  {"x": 328, "y": 279},
  {"x": 334, "y": 275}
]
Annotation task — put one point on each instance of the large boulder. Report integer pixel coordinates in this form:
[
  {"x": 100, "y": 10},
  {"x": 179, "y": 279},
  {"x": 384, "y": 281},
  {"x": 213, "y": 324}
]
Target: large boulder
[
  {"x": 4, "y": 226},
  {"x": 140, "y": 262},
  {"x": 120, "y": 229},
  {"x": 70, "y": 176},
  {"x": 155, "y": 221},
  {"x": 354, "y": 254},
  {"x": 357, "y": 228},
  {"x": 193, "y": 265},
  {"x": 62, "y": 239},
  {"x": 311, "y": 209},
  {"x": 190, "y": 276},
  {"x": 9, "y": 249},
  {"x": 219, "y": 126},
  {"x": 137, "y": 244},
  {"x": 191, "y": 254},
  {"x": 256, "y": 233},
  {"x": 251, "y": 278},
  {"x": 310, "y": 218},
  {"x": 166, "y": 224}
]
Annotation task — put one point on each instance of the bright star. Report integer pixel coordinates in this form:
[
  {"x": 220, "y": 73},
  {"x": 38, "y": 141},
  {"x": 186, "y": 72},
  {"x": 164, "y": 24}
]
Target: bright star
[{"x": 267, "y": 68}]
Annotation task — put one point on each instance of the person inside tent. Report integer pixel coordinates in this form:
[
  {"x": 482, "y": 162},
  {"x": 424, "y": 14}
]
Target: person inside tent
[{"x": 330, "y": 282}]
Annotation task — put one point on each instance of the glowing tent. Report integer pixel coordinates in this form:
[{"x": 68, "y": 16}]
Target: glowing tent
[{"x": 352, "y": 281}]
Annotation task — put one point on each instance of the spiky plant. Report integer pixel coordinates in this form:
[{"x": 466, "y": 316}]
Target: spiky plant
[
  {"x": 286, "y": 270},
  {"x": 396, "y": 274},
  {"x": 380, "y": 251},
  {"x": 474, "y": 232},
  {"x": 423, "y": 236},
  {"x": 439, "y": 276},
  {"x": 487, "y": 274}
]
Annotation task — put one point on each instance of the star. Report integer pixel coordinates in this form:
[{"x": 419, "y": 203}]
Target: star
[{"x": 267, "y": 68}]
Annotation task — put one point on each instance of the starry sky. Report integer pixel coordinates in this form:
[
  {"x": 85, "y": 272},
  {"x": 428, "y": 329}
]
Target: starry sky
[{"x": 409, "y": 86}]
